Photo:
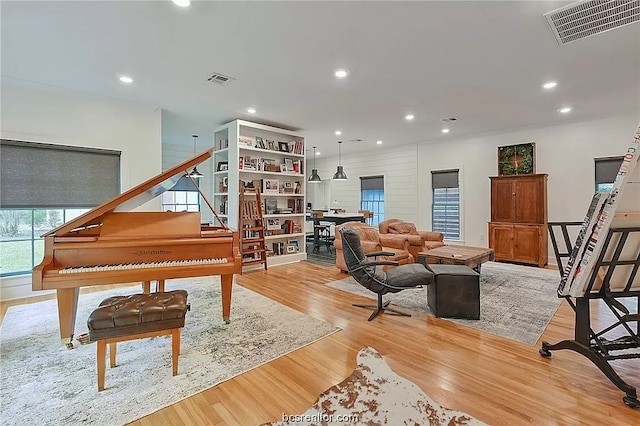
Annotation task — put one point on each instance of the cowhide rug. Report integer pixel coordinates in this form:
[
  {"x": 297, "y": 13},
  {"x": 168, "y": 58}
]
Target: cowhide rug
[{"x": 374, "y": 395}]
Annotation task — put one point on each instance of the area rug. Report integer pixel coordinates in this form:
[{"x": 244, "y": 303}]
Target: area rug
[
  {"x": 44, "y": 383},
  {"x": 374, "y": 395},
  {"x": 322, "y": 257},
  {"x": 516, "y": 302}
]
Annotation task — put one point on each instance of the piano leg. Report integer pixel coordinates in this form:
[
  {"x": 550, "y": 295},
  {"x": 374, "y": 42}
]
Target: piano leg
[
  {"x": 225, "y": 288},
  {"x": 67, "y": 307},
  {"x": 146, "y": 286}
]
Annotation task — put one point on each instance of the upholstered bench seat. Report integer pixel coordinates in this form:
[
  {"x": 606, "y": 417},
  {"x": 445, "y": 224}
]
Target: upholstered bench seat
[
  {"x": 139, "y": 313},
  {"x": 122, "y": 318}
]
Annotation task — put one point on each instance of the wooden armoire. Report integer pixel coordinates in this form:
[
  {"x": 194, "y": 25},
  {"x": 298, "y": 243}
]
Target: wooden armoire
[{"x": 518, "y": 227}]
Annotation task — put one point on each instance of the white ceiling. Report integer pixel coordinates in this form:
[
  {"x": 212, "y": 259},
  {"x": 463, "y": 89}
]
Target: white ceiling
[{"x": 482, "y": 62}]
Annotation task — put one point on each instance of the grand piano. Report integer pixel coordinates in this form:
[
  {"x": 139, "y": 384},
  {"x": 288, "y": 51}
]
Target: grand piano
[{"x": 111, "y": 244}]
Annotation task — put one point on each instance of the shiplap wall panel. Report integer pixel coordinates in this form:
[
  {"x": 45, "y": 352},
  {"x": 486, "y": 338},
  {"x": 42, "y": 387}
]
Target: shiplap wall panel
[{"x": 398, "y": 166}]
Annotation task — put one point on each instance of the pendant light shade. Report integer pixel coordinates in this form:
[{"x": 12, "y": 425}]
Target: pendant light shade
[
  {"x": 195, "y": 174},
  {"x": 340, "y": 174},
  {"x": 315, "y": 177}
]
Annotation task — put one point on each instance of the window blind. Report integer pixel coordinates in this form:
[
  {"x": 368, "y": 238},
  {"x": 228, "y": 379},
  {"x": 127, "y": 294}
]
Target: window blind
[
  {"x": 372, "y": 182},
  {"x": 446, "y": 203},
  {"x": 607, "y": 169},
  {"x": 40, "y": 175}
]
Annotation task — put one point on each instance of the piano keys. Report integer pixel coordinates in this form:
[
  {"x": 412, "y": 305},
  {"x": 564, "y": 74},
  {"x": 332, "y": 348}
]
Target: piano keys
[{"x": 110, "y": 245}]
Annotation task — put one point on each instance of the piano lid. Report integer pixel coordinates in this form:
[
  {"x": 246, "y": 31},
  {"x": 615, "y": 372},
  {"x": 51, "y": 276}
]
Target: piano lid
[{"x": 134, "y": 197}]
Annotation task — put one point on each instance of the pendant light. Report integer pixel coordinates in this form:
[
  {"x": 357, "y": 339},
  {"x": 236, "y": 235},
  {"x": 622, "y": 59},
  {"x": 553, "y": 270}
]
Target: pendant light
[
  {"x": 315, "y": 177},
  {"x": 340, "y": 174},
  {"x": 195, "y": 174}
]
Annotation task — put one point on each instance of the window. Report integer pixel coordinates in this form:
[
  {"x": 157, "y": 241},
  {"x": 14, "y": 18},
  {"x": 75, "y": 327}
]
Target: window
[
  {"x": 182, "y": 197},
  {"x": 606, "y": 172},
  {"x": 43, "y": 186},
  {"x": 372, "y": 197},
  {"x": 445, "y": 210},
  {"x": 21, "y": 247}
]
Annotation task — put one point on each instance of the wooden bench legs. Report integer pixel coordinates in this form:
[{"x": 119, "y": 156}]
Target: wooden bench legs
[{"x": 102, "y": 350}]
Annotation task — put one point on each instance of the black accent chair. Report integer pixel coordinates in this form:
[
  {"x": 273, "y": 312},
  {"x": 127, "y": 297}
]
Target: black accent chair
[{"x": 378, "y": 281}]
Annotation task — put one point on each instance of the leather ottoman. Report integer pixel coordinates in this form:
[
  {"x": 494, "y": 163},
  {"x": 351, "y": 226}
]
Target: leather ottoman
[
  {"x": 455, "y": 292},
  {"x": 122, "y": 318}
]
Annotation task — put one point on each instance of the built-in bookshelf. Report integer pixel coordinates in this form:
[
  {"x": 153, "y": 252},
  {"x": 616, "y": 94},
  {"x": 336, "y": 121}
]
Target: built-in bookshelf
[{"x": 271, "y": 159}]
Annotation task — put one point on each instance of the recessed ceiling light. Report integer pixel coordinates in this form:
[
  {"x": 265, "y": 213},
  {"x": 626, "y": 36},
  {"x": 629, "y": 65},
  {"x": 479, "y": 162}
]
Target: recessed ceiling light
[
  {"x": 126, "y": 79},
  {"x": 182, "y": 3},
  {"x": 318, "y": 153},
  {"x": 341, "y": 73},
  {"x": 565, "y": 110},
  {"x": 338, "y": 132},
  {"x": 251, "y": 110},
  {"x": 409, "y": 117},
  {"x": 445, "y": 130},
  {"x": 379, "y": 142},
  {"x": 549, "y": 85}
]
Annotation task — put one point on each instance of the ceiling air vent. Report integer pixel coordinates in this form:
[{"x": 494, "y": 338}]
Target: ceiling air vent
[
  {"x": 586, "y": 18},
  {"x": 220, "y": 79}
]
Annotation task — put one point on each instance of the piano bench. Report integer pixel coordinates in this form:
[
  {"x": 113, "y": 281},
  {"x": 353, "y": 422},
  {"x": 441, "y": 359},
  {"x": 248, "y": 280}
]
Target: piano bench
[{"x": 138, "y": 316}]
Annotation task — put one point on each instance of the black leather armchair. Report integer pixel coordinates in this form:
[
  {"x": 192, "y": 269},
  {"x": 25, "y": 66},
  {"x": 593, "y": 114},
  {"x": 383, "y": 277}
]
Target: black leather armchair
[{"x": 381, "y": 282}]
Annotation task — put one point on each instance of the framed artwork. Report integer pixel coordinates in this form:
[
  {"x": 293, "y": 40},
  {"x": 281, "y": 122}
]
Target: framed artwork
[
  {"x": 294, "y": 244},
  {"x": 517, "y": 159},
  {"x": 273, "y": 224},
  {"x": 283, "y": 146},
  {"x": 223, "y": 166},
  {"x": 270, "y": 186},
  {"x": 291, "y": 249},
  {"x": 259, "y": 142},
  {"x": 288, "y": 165}
]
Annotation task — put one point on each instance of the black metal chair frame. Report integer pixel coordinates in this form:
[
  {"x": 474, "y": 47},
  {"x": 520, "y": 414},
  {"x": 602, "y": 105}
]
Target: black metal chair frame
[
  {"x": 592, "y": 344},
  {"x": 380, "y": 306}
]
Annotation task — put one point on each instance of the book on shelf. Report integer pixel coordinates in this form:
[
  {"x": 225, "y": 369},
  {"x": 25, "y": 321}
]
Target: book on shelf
[{"x": 223, "y": 143}]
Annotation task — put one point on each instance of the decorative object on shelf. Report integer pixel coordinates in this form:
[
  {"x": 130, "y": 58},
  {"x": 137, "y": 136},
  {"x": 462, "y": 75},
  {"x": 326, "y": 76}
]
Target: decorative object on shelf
[
  {"x": 340, "y": 174},
  {"x": 315, "y": 177},
  {"x": 194, "y": 174},
  {"x": 246, "y": 141},
  {"x": 517, "y": 159},
  {"x": 223, "y": 166}
]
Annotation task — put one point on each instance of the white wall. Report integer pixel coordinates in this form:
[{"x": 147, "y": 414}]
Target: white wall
[
  {"x": 77, "y": 119},
  {"x": 565, "y": 152}
]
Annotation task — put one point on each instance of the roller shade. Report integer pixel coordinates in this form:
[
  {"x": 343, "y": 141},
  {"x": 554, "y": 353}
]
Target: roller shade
[
  {"x": 607, "y": 169},
  {"x": 372, "y": 182},
  {"x": 39, "y": 175},
  {"x": 444, "y": 179}
]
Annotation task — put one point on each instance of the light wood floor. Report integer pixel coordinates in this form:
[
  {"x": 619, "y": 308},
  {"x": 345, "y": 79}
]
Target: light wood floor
[{"x": 496, "y": 380}]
